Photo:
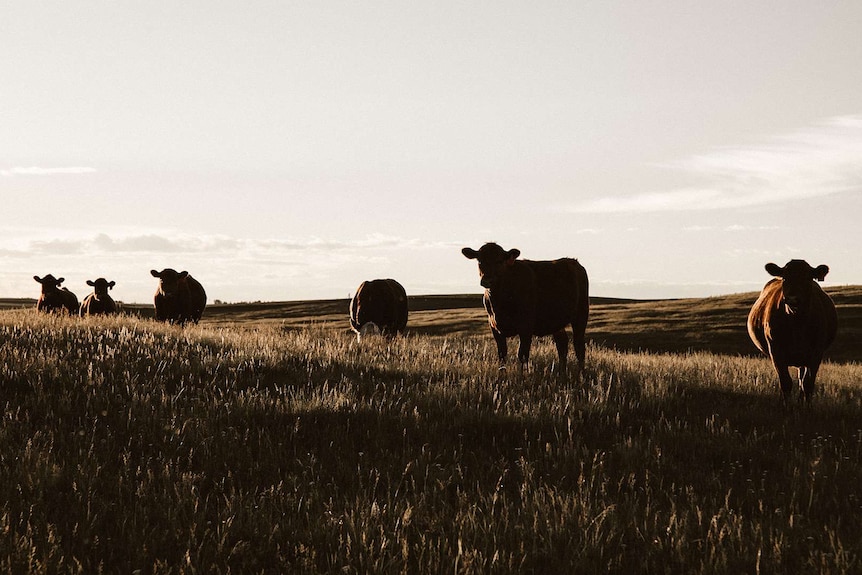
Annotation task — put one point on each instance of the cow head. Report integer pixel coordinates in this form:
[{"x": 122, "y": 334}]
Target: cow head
[
  {"x": 101, "y": 287},
  {"x": 494, "y": 262},
  {"x": 49, "y": 283},
  {"x": 368, "y": 329},
  {"x": 796, "y": 277},
  {"x": 169, "y": 280}
]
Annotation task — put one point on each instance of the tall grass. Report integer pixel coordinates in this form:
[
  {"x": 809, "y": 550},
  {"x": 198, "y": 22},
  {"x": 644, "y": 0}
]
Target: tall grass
[{"x": 129, "y": 446}]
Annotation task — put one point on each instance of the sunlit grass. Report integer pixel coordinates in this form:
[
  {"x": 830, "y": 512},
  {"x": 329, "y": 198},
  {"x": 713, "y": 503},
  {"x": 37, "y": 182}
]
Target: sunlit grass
[{"x": 129, "y": 445}]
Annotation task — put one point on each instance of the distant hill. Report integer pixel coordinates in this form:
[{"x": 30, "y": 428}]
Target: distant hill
[
  {"x": 715, "y": 324},
  {"x": 15, "y": 303}
]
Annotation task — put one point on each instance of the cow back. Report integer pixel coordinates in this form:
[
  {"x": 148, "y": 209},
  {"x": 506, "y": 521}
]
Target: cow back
[
  {"x": 58, "y": 300},
  {"x": 381, "y": 301},
  {"x": 539, "y": 296}
]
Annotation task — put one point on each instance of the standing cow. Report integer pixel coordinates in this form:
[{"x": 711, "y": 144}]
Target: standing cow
[
  {"x": 179, "y": 297},
  {"x": 53, "y": 298},
  {"x": 379, "y": 306},
  {"x": 533, "y": 298},
  {"x": 99, "y": 302},
  {"x": 793, "y": 322}
]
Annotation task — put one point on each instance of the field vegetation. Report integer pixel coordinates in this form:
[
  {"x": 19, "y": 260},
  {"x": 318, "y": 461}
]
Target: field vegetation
[{"x": 268, "y": 440}]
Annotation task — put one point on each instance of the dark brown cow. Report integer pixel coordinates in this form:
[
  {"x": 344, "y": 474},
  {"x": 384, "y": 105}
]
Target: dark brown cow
[
  {"x": 53, "y": 298},
  {"x": 533, "y": 298},
  {"x": 379, "y": 306},
  {"x": 99, "y": 302},
  {"x": 179, "y": 297},
  {"x": 793, "y": 322}
]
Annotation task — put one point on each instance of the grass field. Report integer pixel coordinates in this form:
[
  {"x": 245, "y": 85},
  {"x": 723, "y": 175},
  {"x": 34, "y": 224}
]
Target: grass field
[{"x": 267, "y": 440}]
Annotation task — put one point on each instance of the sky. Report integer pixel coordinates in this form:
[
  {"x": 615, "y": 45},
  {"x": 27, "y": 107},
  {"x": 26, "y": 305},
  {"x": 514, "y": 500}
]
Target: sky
[{"x": 290, "y": 150}]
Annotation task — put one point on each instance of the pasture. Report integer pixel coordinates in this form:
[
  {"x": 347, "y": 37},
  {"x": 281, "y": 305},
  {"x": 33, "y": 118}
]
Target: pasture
[{"x": 267, "y": 440}]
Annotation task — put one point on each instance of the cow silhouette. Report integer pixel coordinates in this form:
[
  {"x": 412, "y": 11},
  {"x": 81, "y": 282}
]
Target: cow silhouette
[
  {"x": 179, "y": 298},
  {"x": 53, "y": 298},
  {"x": 379, "y": 306},
  {"x": 527, "y": 298},
  {"x": 99, "y": 302},
  {"x": 794, "y": 322}
]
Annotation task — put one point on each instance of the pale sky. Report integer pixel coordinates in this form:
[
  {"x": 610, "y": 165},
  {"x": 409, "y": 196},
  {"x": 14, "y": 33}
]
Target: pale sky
[{"x": 289, "y": 150}]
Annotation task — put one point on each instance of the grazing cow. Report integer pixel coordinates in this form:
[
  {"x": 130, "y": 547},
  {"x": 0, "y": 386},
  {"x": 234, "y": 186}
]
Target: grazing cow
[
  {"x": 527, "y": 298},
  {"x": 99, "y": 302},
  {"x": 793, "y": 322},
  {"x": 54, "y": 298},
  {"x": 179, "y": 297},
  {"x": 379, "y": 306}
]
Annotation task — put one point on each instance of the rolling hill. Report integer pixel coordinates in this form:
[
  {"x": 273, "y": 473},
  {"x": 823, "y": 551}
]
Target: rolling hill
[{"x": 715, "y": 324}]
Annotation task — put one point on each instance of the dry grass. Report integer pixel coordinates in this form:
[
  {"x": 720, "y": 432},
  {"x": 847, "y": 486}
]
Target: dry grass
[{"x": 255, "y": 447}]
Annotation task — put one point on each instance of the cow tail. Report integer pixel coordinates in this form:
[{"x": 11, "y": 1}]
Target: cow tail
[
  {"x": 579, "y": 326},
  {"x": 353, "y": 323}
]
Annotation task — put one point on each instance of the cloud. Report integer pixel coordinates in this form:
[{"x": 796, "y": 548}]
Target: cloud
[
  {"x": 730, "y": 228},
  {"x": 236, "y": 267},
  {"x": 165, "y": 242},
  {"x": 57, "y": 247},
  {"x": 143, "y": 243},
  {"x": 37, "y": 171},
  {"x": 819, "y": 161},
  {"x": 376, "y": 241}
]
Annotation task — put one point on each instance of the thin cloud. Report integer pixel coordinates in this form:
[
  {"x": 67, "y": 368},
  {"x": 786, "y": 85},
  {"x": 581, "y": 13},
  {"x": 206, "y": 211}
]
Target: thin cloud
[
  {"x": 237, "y": 268},
  {"x": 167, "y": 243},
  {"x": 823, "y": 160},
  {"x": 38, "y": 171},
  {"x": 143, "y": 243},
  {"x": 731, "y": 228},
  {"x": 57, "y": 247}
]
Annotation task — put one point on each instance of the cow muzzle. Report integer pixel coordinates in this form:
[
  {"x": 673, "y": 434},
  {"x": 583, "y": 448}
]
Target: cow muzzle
[
  {"x": 487, "y": 282},
  {"x": 791, "y": 306}
]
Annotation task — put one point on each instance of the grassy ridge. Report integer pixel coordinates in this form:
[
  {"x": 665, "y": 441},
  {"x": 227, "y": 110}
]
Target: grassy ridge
[
  {"x": 715, "y": 324},
  {"x": 258, "y": 447}
]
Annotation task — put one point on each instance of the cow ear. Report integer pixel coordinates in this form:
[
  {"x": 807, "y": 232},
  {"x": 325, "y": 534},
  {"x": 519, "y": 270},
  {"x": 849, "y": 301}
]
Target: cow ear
[
  {"x": 155, "y": 274},
  {"x": 182, "y": 274},
  {"x": 470, "y": 253},
  {"x": 774, "y": 270},
  {"x": 820, "y": 272},
  {"x": 37, "y": 278},
  {"x": 513, "y": 255},
  {"x": 111, "y": 285},
  {"x": 60, "y": 280},
  {"x": 91, "y": 283}
]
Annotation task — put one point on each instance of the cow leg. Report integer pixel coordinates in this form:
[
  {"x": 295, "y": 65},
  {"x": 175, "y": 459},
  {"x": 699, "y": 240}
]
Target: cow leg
[
  {"x": 561, "y": 338},
  {"x": 784, "y": 380},
  {"x": 579, "y": 343},
  {"x": 526, "y": 340},
  {"x": 502, "y": 347},
  {"x": 807, "y": 377}
]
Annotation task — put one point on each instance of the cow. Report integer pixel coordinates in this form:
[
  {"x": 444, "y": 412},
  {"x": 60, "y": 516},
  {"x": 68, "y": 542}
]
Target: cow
[
  {"x": 379, "y": 306},
  {"x": 54, "y": 298},
  {"x": 793, "y": 322},
  {"x": 533, "y": 298},
  {"x": 179, "y": 298},
  {"x": 99, "y": 302}
]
